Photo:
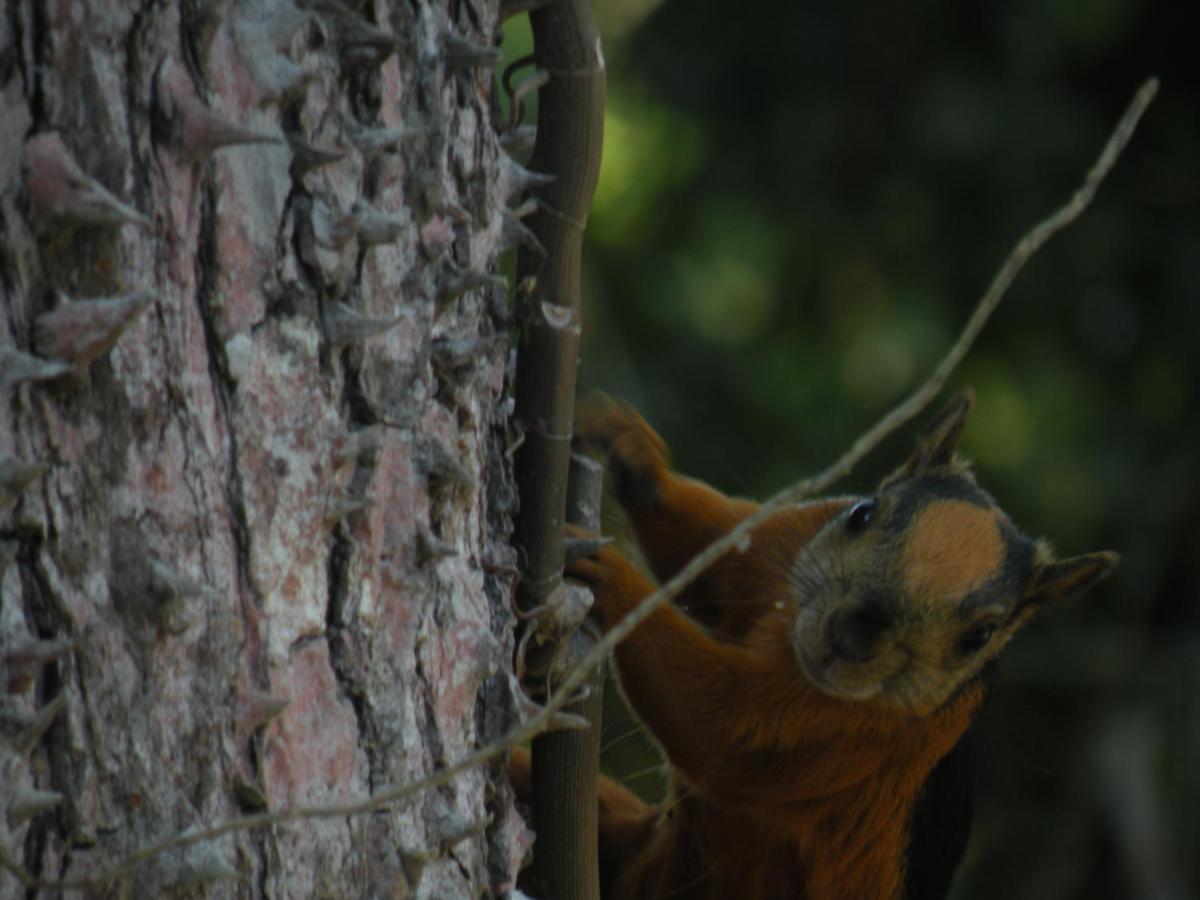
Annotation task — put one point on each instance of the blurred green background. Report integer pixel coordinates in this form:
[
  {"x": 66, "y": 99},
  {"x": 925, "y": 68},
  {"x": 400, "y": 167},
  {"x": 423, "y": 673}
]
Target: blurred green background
[{"x": 799, "y": 206}]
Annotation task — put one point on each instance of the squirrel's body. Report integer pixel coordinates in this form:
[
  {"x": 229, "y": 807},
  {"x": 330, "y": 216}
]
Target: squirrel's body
[{"x": 805, "y": 688}]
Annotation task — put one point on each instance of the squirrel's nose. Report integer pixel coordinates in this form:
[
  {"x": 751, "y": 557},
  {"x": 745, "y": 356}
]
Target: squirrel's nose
[{"x": 854, "y": 633}]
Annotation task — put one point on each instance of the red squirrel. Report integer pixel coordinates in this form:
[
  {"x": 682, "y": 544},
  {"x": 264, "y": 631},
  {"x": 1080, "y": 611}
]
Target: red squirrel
[{"x": 809, "y": 691}]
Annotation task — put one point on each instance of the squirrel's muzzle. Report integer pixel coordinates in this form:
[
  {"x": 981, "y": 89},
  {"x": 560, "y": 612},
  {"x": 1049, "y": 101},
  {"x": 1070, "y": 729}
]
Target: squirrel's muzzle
[{"x": 855, "y": 633}]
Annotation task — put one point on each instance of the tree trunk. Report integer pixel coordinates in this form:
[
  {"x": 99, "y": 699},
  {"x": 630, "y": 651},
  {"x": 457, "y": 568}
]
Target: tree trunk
[{"x": 265, "y": 561}]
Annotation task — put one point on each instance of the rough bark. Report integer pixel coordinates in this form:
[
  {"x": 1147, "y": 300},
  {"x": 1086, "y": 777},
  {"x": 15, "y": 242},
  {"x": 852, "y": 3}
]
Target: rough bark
[{"x": 272, "y": 535}]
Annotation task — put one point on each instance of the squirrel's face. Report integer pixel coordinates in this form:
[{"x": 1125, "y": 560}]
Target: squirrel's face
[{"x": 905, "y": 595}]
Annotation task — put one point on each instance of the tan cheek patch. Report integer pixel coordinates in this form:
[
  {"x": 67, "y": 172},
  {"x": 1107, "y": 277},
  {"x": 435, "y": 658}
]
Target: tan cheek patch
[{"x": 952, "y": 548}]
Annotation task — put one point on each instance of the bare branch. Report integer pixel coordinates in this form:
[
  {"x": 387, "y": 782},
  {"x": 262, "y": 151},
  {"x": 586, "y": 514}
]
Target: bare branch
[
  {"x": 566, "y": 764},
  {"x": 739, "y": 536}
]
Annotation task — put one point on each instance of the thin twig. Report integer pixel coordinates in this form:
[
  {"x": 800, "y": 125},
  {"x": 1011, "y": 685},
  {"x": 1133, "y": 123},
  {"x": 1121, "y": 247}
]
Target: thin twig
[
  {"x": 897, "y": 417},
  {"x": 1017, "y": 258}
]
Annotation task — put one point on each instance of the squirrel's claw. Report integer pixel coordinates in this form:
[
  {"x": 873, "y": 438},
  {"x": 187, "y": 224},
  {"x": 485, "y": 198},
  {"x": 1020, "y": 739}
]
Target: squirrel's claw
[{"x": 577, "y": 548}]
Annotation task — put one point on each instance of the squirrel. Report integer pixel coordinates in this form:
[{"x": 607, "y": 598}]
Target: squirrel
[{"x": 811, "y": 692}]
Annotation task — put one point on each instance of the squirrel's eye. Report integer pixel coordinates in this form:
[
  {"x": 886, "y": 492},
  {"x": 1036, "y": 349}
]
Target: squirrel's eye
[
  {"x": 975, "y": 639},
  {"x": 860, "y": 516}
]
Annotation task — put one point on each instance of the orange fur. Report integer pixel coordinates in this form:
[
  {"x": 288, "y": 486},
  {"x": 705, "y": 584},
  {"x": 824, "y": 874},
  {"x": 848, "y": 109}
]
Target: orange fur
[
  {"x": 780, "y": 788},
  {"x": 952, "y": 548},
  {"x": 783, "y": 791},
  {"x": 787, "y": 790}
]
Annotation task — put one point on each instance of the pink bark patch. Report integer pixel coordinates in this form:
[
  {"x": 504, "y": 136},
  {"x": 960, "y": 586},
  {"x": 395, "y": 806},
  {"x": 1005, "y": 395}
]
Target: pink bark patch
[{"x": 313, "y": 753}]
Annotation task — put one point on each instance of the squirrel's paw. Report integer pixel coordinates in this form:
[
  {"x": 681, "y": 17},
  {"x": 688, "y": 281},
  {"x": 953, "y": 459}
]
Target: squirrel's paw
[
  {"x": 615, "y": 584},
  {"x": 636, "y": 456}
]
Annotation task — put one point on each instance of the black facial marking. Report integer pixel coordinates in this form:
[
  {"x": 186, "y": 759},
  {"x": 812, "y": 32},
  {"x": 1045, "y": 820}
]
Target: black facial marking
[
  {"x": 1003, "y": 590},
  {"x": 913, "y": 496}
]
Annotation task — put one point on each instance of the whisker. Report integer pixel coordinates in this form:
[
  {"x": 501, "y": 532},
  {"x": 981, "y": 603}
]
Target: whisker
[
  {"x": 636, "y": 729},
  {"x": 658, "y": 769},
  {"x": 683, "y": 794}
]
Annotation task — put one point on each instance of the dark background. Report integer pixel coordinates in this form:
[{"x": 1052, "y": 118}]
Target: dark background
[{"x": 800, "y": 205}]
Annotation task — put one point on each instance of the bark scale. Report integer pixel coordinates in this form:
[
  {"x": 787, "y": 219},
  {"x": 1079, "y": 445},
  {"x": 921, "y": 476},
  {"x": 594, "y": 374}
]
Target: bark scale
[{"x": 261, "y": 557}]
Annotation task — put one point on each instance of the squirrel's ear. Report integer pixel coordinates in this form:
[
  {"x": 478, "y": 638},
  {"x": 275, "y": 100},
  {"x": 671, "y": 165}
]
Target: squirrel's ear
[
  {"x": 937, "y": 444},
  {"x": 1056, "y": 580}
]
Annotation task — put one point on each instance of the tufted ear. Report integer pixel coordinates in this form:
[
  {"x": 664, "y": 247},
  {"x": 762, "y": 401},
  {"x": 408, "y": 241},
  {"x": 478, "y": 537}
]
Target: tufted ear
[
  {"x": 938, "y": 442},
  {"x": 1056, "y": 580}
]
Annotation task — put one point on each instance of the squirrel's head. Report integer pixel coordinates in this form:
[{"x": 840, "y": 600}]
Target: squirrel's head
[{"x": 905, "y": 595}]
